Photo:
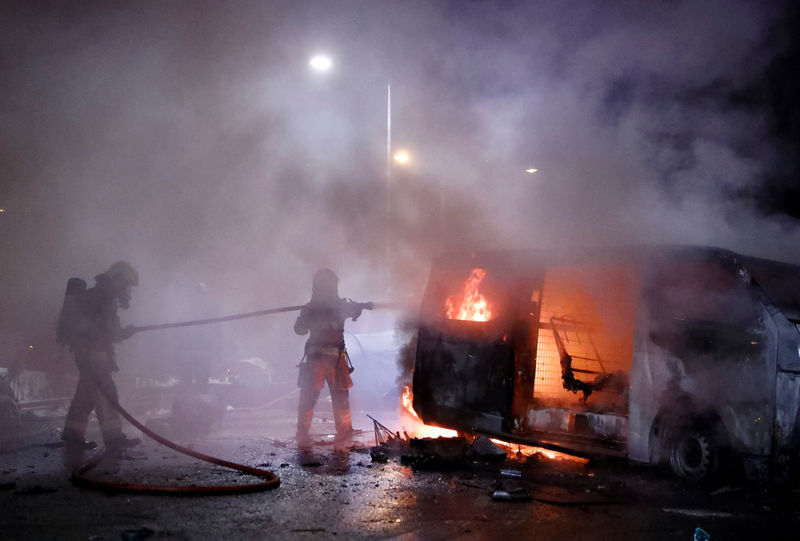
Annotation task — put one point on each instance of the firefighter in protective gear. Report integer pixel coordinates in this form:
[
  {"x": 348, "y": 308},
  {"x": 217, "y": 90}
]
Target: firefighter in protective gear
[
  {"x": 325, "y": 356},
  {"x": 93, "y": 329}
]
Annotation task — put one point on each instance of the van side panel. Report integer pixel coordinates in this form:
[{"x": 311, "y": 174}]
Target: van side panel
[
  {"x": 649, "y": 376},
  {"x": 787, "y": 419},
  {"x": 707, "y": 352}
]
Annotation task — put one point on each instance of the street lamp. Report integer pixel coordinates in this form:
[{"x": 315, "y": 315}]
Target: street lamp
[
  {"x": 321, "y": 62},
  {"x": 401, "y": 157}
]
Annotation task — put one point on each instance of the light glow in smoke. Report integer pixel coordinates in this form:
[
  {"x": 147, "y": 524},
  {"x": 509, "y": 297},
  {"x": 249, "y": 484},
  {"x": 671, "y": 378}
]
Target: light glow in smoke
[
  {"x": 402, "y": 157},
  {"x": 320, "y": 62}
]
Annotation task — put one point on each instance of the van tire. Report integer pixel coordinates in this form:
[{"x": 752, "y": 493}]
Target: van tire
[{"x": 694, "y": 452}]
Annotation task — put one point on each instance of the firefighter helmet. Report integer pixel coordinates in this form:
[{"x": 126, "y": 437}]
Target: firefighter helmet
[
  {"x": 123, "y": 272},
  {"x": 325, "y": 284}
]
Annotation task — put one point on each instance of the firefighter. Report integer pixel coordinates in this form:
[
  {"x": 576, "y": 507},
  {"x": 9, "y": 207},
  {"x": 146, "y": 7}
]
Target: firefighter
[
  {"x": 90, "y": 326},
  {"x": 325, "y": 356}
]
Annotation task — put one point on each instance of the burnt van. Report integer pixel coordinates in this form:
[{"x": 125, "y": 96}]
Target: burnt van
[{"x": 684, "y": 356}]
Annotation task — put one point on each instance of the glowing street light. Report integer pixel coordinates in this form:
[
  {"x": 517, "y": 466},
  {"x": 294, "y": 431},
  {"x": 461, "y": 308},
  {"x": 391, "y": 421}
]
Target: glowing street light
[
  {"x": 531, "y": 170},
  {"x": 321, "y": 62},
  {"x": 402, "y": 157}
]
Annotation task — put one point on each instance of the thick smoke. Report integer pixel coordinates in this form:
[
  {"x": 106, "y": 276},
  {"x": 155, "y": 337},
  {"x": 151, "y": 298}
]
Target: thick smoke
[{"x": 191, "y": 139}]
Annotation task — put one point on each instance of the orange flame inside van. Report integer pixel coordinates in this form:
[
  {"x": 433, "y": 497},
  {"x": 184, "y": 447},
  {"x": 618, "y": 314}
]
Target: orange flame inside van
[{"x": 470, "y": 305}]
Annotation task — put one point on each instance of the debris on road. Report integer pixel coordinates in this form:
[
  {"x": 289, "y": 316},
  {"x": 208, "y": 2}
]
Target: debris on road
[
  {"x": 700, "y": 535},
  {"x": 704, "y": 513},
  {"x": 517, "y": 495},
  {"x": 511, "y": 474}
]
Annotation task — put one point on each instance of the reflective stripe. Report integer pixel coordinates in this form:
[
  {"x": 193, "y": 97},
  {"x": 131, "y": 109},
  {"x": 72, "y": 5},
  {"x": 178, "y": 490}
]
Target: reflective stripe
[{"x": 319, "y": 350}]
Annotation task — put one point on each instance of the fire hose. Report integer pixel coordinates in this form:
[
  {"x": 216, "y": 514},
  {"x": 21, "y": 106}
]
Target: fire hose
[
  {"x": 270, "y": 480},
  {"x": 363, "y": 305}
]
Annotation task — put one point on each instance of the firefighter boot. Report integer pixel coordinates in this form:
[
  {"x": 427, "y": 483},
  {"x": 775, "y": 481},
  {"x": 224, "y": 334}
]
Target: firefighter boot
[
  {"x": 344, "y": 439},
  {"x": 303, "y": 440},
  {"x": 118, "y": 445}
]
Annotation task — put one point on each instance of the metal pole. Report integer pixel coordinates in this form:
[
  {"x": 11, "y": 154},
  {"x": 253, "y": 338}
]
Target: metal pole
[
  {"x": 389, "y": 186},
  {"x": 441, "y": 216}
]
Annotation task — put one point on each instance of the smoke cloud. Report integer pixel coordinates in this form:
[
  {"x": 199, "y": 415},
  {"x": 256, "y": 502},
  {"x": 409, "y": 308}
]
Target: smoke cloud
[{"x": 191, "y": 139}]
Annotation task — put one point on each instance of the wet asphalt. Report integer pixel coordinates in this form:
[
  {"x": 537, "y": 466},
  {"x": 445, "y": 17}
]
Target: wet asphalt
[{"x": 327, "y": 494}]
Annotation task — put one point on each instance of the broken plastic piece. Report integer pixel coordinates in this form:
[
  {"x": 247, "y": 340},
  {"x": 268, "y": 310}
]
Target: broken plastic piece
[
  {"x": 377, "y": 454},
  {"x": 511, "y": 474},
  {"x": 485, "y": 449},
  {"x": 519, "y": 495}
]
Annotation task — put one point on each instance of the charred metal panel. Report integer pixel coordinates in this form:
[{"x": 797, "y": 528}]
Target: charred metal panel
[
  {"x": 469, "y": 373},
  {"x": 594, "y": 425},
  {"x": 787, "y": 418},
  {"x": 705, "y": 349},
  {"x": 459, "y": 380}
]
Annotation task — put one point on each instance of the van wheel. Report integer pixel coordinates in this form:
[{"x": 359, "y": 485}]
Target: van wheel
[{"x": 694, "y": 453}]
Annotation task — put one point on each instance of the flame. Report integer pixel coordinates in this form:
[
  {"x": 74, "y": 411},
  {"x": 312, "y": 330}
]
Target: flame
[
  {"x": 416, "y": 428},
  {"x": 530, "y": 450},
  {"x": 421, "y": 430},
  {"x": 473, "y": 306}
]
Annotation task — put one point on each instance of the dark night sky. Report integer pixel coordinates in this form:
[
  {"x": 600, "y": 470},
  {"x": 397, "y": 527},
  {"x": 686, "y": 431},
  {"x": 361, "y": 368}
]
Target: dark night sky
[{"x": 191, "y": 138}]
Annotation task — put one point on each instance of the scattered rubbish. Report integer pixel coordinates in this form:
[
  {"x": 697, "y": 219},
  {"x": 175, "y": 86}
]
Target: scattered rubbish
[
  {"x": 430, "y": 453},
  {"x": 503, "y": 493},
  {"x": 383, "y": 435},
  {"x": 725, "y": 490},
  {"x": 377, "y": 454},
  {"x": 436, "y": 453},
  {"x": 704, "y": 513},
  {"x": 518, "y": 495},
  {"x": 700, "y": 535},
  {"x": 536, "y": 458},
  {"x": 471, "y": 485},
  {"x": 387, "y": 443},
  {"x": 485, "y": 449},
  {"x": 136, "y": 535},
  {"x": 511, "y": 474}
]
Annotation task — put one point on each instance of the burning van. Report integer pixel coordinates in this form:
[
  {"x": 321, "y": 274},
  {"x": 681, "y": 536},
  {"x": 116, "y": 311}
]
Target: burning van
[{"x": 676, "y": 355}]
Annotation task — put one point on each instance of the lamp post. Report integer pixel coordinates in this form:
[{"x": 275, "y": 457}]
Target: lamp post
[
  {"x": 323, "y": 63},
  {"x": 389, "y": 239}
]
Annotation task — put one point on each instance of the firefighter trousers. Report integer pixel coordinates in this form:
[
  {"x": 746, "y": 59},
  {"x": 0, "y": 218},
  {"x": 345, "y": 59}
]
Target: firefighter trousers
[
  {"x": 313, "y": 375},
  {"x": 94, "y": 374}
]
